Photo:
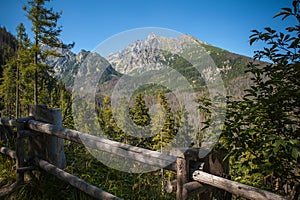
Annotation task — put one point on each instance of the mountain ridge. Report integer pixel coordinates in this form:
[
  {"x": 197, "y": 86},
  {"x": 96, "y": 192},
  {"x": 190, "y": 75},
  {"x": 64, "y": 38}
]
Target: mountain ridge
[{"x": 140, "y": 53}]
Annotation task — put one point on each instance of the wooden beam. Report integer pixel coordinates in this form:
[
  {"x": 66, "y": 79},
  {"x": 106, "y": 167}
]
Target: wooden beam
[
  {"x": 182, "y": 176},
  {"x": 20, "y": 157},
  {"x": 48, "y": 147},
  {"x": 75, "y": 181},
  {"x": 193, "y": 188},
  {"x": 8, "y": 152},
  {"x": 236, "y": 188},
  {"x": 142, "y": 155},
  {"x": 8, "y": 122},
  {"x": 9, "y": 189}
]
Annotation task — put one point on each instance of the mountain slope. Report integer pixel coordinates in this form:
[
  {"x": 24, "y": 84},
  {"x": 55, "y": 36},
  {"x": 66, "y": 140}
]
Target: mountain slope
[
  {"x": 157, "y": 52},
  {"x": 160, "y": 54}
]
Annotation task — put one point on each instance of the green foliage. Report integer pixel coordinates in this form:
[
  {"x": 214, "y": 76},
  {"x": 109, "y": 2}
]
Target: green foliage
[
  {"x": 164, "y": 124},
  {"x": 261, "y": 131},
  {"x": 8, "y": 47},
  {"x": 140, "y": 113},
  {"x": 46, "y": 32},
  {"x": 122, "y": 184},
  {"x": 17, "y": 77},
  {"x": 151, "y": 89},
  {"x": 7, "y": 176},
  {"x": 140, "y": 116}
]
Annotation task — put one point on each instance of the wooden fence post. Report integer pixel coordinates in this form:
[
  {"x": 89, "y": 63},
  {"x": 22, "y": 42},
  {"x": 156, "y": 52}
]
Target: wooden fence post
[
  {"x": 216, "y": 165},
  {"x": 20, "y": 155},
  {"x": 181, "y": 176},
  {"x": 44, "y": 146}
]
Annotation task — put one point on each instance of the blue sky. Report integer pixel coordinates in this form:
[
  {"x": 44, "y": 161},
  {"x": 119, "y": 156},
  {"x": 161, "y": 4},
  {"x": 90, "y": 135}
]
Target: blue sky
[{"x": 223, "y": 23}]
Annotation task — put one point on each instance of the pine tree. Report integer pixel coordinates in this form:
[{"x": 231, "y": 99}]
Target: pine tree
[
  {"x": 8, "y": 88},
  {"x": 8, "y": 48},
  {"x": 46, "y": 32},
  {"x": 139, "y": 114},
  {"x": 107, "y": 122},
  {"x": 164, "y": 125},
  {"x": 184, "y": 129},
  {"x": 24, "y": 61},
  {"x": 13, "y": 78}
]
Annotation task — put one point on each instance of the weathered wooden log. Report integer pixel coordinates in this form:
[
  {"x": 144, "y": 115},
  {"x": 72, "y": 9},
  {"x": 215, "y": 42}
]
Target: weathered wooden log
[
  {"x": 8, "y": 122},
  {"x": 236, "y": 188},
  {"x": 182, "y": 176},
  {"x": 9, "y": 189},
  {"x": 145, "y": 156},
  {"x": 20, "y": 157},
  {"x": 8, "y": 152},
  {"x": 171, "y": 186},
  {"x": 75, "y": 181},
  {"x": 213, "y": 163},
  {"x": 193, "y": 188},
  {"x": 44, "y": 146}
]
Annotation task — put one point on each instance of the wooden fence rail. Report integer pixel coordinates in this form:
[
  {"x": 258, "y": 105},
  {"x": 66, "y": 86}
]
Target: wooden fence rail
[
  {"x": 142, "y": 155},
  {"x": 46, "y": 136},
  {"x": 93, "y": 191},
  {"x": 239, "y": 189}
]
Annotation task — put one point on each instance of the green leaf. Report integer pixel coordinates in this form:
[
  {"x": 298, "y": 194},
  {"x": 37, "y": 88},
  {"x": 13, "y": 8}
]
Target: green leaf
[
  {"x": 295, "y": 153},
  {"x": 294, "y": 142}
]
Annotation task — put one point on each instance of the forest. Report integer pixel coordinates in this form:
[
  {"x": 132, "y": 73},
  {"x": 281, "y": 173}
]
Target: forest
[{"x": 261, "y": 131}]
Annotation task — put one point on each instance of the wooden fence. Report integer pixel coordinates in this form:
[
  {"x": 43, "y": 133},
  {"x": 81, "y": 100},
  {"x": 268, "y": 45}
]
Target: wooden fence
[{"x": 45, "y": 134}]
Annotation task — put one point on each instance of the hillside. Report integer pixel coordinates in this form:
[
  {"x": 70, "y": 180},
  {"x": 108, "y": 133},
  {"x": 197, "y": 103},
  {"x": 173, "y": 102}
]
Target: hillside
[
  {"x": 8, "y": 47},
  {"x": 143, "y": 56}
]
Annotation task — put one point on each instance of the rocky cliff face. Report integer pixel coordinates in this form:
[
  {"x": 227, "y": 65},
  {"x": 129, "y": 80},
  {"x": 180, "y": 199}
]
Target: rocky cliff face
[
  {"x": 70, "y": 66},
  {"x": 149, "y": 54},
  {"x": 157, "y": 53}
]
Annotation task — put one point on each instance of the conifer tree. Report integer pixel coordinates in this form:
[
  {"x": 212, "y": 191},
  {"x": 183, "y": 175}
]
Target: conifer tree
[
  {"x": 139, "y": 114},
  {"x": 13, "y": 78},
  {"x": 184, "y": 129},
  {"x": 24, "y": 60},
  {"x": 107, "y": 122},
  {"x": 165, "y": 133},
  {"x": 8, "y": 88},
  {"x": 46, "y": 32}
]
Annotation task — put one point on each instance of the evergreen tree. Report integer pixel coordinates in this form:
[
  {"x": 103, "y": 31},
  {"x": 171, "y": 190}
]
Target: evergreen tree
[
  {"x": 105, "y": 118},
  {"x": 164, "y": 124},
  {"x": 139, "y": 114},
  {"x": 107, "y": 122},
  {"x": 14, "y": 74},
  {"x": 8, "y": 48},
  {"x": 8, "y": 88},
  {"x": 46, "y": 32},
  {"x": 184, "y": 129},
  {"x": 24, "y": 61}
]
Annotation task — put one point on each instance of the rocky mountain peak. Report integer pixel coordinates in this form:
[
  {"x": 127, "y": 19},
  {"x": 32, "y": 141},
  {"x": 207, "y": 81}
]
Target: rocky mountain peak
[
  {"x": 152, "y": 36},
  {"x": 148, "y": 54}
]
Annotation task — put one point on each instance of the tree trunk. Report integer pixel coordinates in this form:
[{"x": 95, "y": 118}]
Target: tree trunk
[
  {"x": 36, "y": 101},
  {"x": 17, "y": 94}
]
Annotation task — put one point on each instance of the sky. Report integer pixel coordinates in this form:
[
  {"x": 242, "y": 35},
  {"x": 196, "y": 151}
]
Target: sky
[{"x": 222, "y": 23}]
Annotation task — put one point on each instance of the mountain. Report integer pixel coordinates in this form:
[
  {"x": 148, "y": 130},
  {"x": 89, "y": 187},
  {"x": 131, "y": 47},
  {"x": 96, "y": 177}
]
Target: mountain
[
  {"x": 158, "y": 55},
  {"x": 149, "y": 54},
  {"x": 182, "y": 54},
  {"x": 70, "y": 66}
]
